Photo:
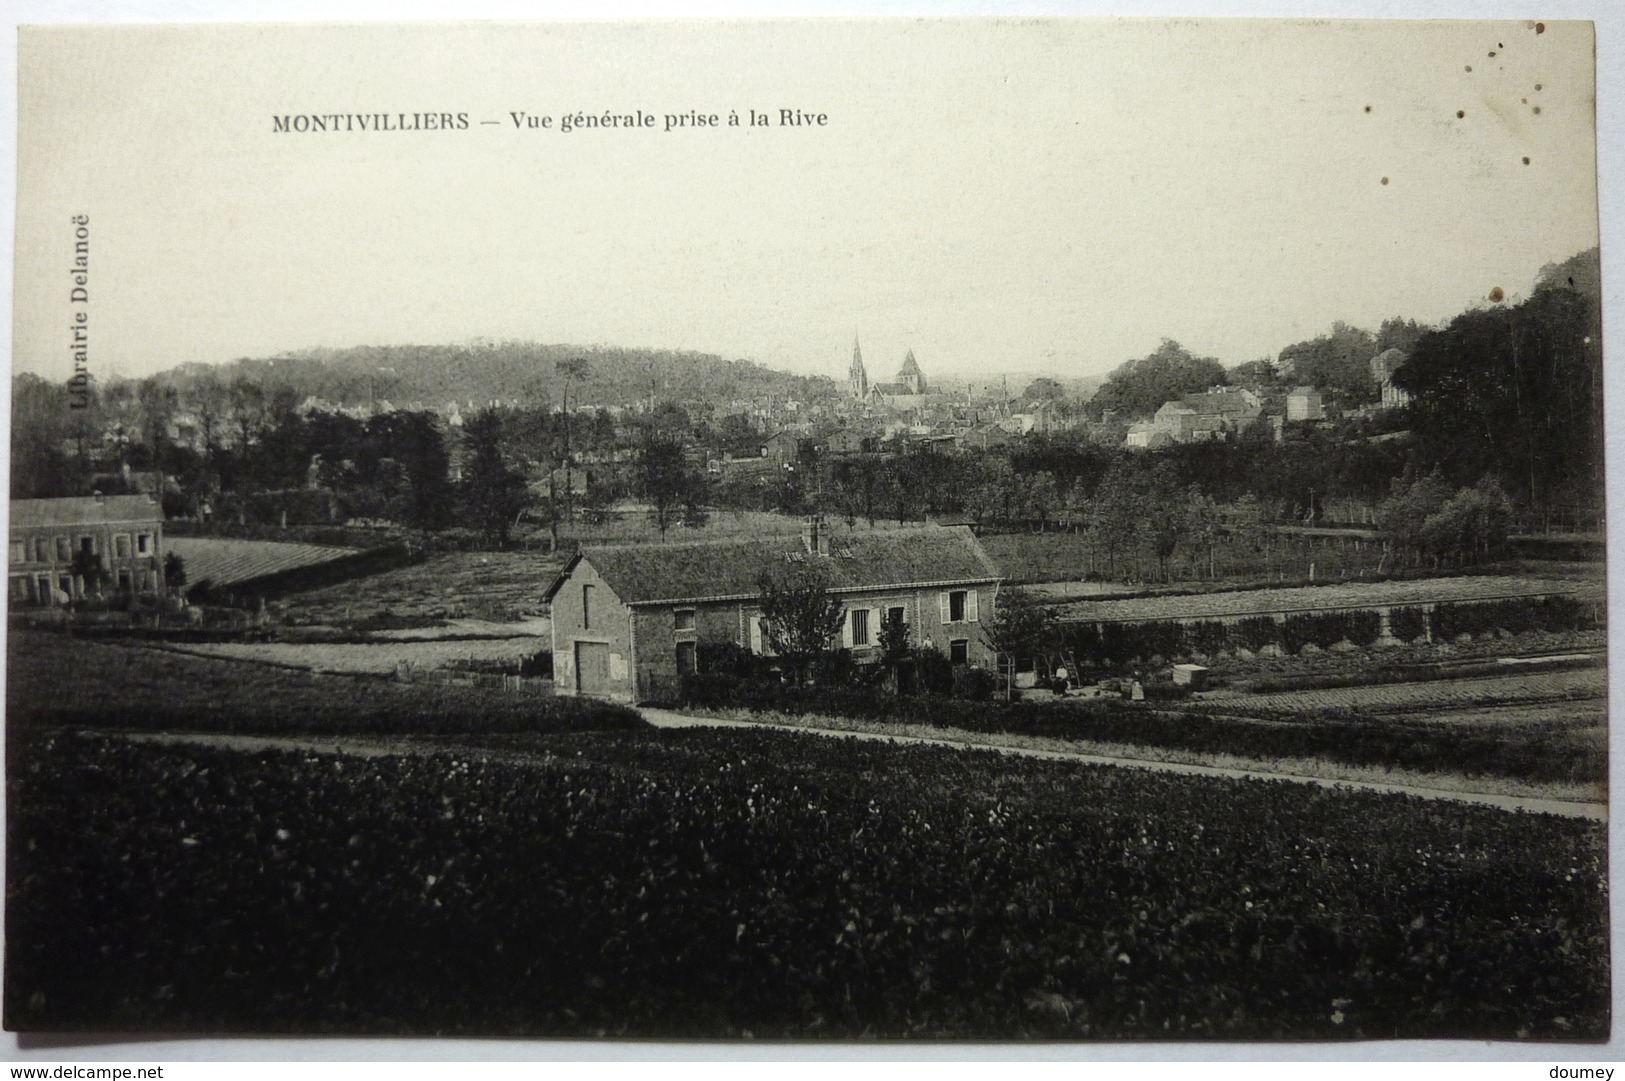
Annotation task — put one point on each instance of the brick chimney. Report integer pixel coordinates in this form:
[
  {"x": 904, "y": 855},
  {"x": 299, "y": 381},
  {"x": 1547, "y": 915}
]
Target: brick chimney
[{"x": 815, "y": 537}]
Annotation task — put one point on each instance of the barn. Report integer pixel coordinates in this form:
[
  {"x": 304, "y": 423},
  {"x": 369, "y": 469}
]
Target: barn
[{"x": 629, "y": 620}]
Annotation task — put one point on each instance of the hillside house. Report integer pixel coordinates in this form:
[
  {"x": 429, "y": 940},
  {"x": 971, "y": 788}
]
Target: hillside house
[
  {"x": 629, "y": 620},
  {"x": 1305, "y": 403},
  {"x": 122, "y": 533},
  {"x": 1383, "y": 367}
]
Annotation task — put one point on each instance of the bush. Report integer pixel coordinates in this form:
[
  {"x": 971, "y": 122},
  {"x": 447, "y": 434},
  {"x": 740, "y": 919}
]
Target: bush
[
  {"x": 974, "y": 684},
  {"x": 1408, "y": 624},
  {"x": 1256, "y": 632},
  {"x": 1362, "y": 627},
  {"x": 933, "y": 671},
  {"x": 1207, "y": 637}
]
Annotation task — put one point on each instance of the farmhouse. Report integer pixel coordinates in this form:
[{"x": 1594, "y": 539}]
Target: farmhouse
[
  {"x": 55, "y": 543},
  {"x": 628, "y": 620}
]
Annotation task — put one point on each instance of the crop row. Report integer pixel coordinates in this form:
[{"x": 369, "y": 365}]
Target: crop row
[
  {"x": 708, "y": 883},
  {"x": 1589, "y": 683}
]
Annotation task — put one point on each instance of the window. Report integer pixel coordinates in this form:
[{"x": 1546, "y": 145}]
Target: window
[
  {"x": 42, "y": 549},
  {"x": 760, "y": 643},
  {"x": 124, "y": 583},
  {"x": 959, "y": 606},
  {"x": 959, "y": 651},
  {"x": 64, "y": 550},
  {"x": 686, "y": 661},
  {"x": 143, "y": 544},
  {"x": 586, "y": 607},
  {"x": 65, "y": 584},
  {"x": 19, "y": 591},
  {"x": 684, "y": 619},
  {"x": 897, "y": 614},
  {"x": 860, "y": 626},
  {"x": 87, "y": 544},
  {"x": 121, "y": 546},
  {"x": 19, "y": 551}
]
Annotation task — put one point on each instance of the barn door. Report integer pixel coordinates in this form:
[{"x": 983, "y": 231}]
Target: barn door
[{"x": 592, "y": 667}]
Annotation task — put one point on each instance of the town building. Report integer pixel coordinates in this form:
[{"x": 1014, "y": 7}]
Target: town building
[
  {"x": 55, "y": 542},
  {"x": 630, "y": 620},
  {"x": 1305, "y": 403},
  {"x": 1383, "y": 367},
  {"x": 1219, "y": 413}
]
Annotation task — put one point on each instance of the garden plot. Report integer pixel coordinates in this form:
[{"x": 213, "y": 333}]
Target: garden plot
[
  {"x": 1263, "y": 602},
  {"x": 495, "y": 586},
  {"x": 227, "y": 561},
  {"x": 1531, "y": 687}
]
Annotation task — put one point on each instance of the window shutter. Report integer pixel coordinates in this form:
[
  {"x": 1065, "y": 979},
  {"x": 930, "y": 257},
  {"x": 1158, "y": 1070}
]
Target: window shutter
[
  {"x": 846, "y": 628},
  {"x": 970, "y": 606},
  {"x": 756, "y": 635},
  {"x": 942, "y": 599}
]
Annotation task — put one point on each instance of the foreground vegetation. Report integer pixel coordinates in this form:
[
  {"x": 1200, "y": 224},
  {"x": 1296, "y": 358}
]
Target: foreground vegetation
[{"x": 708, "y": 883}]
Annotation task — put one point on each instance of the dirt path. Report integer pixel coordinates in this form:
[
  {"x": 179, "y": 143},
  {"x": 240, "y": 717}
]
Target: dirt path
[
  {"x": 373, "y": 747},
  {"x": 1569, "y": 808}
]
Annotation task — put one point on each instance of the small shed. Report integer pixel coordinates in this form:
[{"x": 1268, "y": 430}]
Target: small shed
[{"x": 1193, "y": 676}]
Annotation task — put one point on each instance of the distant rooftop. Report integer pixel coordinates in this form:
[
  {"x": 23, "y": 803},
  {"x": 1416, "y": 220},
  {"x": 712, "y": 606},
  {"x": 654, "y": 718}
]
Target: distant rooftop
[{"x": 84, "y": 510}]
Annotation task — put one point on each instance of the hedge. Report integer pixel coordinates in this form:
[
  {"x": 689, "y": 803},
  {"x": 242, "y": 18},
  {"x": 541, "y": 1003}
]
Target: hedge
[
  {"x": 1121, "y": 644},
  {"x": 1408, "y": 624}
]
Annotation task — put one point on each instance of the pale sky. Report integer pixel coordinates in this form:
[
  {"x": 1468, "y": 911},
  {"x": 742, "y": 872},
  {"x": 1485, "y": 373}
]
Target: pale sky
[{"x": 997, "y": 195}]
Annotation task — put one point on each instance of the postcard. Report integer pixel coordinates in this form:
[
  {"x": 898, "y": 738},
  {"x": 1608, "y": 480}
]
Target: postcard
[{"x": 1002, "y": 529}]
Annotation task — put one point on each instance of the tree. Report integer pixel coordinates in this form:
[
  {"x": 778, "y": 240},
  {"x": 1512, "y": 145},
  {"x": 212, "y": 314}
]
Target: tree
[
  {"x": 1020, "y": 629},
  {"x": 1137, "y": 388},
  {"x": 572, "y": 369},
  {"x": 800, "y": 618},
  {"x": 492, "y": 494},
  {"x": 1402, "y": 515},
  {"x": 210, "y": 400},
  {"x": 1203, "y": 523},
  {"x": 1338, "y": 362},
  {"x": 1116, "y": 512},
  {"x": 174, "y": 571},
  {"x": 668, "y": 482},
  {"x": 1254, "y": 373},
  {"x": 1397, "y": 333},
  {"x": 1515, "y": 391},
  {"x": 1043, "y": 389},
  {"x": 158, "y": 403},
  {"x": 1167, "y": 514},
  {"x": 1473, "y": 523}
]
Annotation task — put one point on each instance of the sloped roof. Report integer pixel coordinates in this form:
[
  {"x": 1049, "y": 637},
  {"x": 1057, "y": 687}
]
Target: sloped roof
[
  {"x": 731, "y": 569},
  {"x": 1386, "y": 363},
  {"x": 1222, "y": 403},
  {"x": 84, "y": 510}
]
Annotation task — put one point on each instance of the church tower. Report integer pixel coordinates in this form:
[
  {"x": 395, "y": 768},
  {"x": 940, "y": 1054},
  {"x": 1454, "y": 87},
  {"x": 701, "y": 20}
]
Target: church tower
[
  {"x": 912, "y": 378},
  {"x": 857, "y": 380}
]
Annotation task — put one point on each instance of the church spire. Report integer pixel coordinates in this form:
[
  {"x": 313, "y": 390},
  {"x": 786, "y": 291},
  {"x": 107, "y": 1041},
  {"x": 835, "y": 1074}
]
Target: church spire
[{"x": 857, "y": 380}]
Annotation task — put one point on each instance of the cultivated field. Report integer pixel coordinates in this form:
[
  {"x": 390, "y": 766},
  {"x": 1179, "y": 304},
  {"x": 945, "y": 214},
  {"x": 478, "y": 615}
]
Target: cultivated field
[
  {"x": 224, "y": 562},
  {"x": 499, "y": 586},
  {"x": 1589, "y": 684},
  {"x": 702, "y": 883}
]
